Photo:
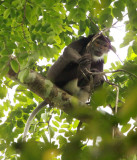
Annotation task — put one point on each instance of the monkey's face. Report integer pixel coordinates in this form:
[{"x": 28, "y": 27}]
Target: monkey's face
[{"x": 99, "y": 47}]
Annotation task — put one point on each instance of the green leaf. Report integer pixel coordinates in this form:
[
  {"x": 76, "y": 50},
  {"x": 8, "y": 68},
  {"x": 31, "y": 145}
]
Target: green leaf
[
  {"x": 23, "y": 75},
  {"x": 6, "y": 52},
  {"x": 29, "y": 94},
  {"x": 47, "y": 51},
  {"x": 38, "y": 1},
  {"x": 6, "y": 13},
  {"x": 68, "y": 134},
  {"x": 76, "y": 122},
  {"x": 62, "y": 140},
  {"x": 4, "y": 59},
  {"x": 77, "y": 14},
  {"x": 54, "y": 129},
  {"x": 44, "y": 136},
  {"x": 113, "y": 66},
  {"x": 3, "y": 92},
  {"x": 93, "y": 27},
  {"x": 57, "y": 118},
  {"x": 19, "y": 113},
  {"x": 82, "y": 27},
  {"x": 134, "y": 46},
  {"x": 20, "y": 124},
  {"x": 20, "y": 88},
  {"x": 105, "y": 59},
  {"x": 83, "y": 4},
  {"x": 55, "y": 123},
  {"x": 51, "y": 132},
  {"x": 28, "y": 13},
  {"x": 127, "y": 39},
  {"x": 3, "y": 146},
  {"x": 44, "y": 116},
  {"x": 65, "y": 126},
  {"x": 117, "y": 13},
  {"x": 20, "y": 98},
  {"x": 70, "y": 4},
  {"x": 129, "y": 52},
  {"x": 62, "y": 131},
  {"x": 105, "y": 3},
  {"x": 125, "y": 128},
  {"x": 38, "y": 26},
  {"x": 120, "y": 4},
  {"x": 102, "y": 93},
  {"x": 4, "y": 71},
  {"x": 106, "y": 17},
  {"x": 31, "y": 14},
  {"x": 105, "y": 11},
  {"x": 14, "y": 65},
  {"x": 129, "y": 110},
  {"x": 2, "y": 9},
  {"x": 11, "y": 45}
]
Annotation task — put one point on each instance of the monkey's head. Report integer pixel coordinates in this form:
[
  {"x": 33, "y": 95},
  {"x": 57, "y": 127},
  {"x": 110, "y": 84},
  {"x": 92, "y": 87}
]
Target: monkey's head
[{"x": 99, "y": 46}]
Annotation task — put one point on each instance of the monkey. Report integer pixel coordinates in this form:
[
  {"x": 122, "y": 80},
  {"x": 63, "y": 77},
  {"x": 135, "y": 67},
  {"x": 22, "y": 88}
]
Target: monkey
[{"x": 71, "y": 72}]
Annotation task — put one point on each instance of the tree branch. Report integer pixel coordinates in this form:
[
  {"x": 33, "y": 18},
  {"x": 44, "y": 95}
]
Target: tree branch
[
  {"x": 119, "y": 70},
  {"x": 59, "y": 98}
]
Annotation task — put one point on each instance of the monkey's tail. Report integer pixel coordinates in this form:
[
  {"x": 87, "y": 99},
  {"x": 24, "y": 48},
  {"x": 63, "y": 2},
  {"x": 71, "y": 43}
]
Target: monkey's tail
[{"x": 28, "y": 123}]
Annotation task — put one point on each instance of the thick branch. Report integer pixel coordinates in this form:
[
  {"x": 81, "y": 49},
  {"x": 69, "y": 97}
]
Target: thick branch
[{"x": 59, "y": 98}]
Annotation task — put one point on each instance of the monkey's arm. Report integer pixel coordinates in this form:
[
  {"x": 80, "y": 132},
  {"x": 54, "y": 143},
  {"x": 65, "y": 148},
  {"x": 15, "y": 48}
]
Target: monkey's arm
[
  {"x": 69, "y": 55},
  {"x": 72, "y": 53}
]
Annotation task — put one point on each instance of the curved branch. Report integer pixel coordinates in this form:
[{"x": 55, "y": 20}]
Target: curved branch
[{"x": 59, "y": 98}]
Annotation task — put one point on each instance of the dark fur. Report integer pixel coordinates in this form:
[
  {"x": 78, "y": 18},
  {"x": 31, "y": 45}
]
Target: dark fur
[{"x": 65, "y": 73}]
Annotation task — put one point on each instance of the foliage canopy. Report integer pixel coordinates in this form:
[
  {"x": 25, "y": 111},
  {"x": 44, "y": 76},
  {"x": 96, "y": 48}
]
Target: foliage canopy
[{"x": 33, "y": 30}]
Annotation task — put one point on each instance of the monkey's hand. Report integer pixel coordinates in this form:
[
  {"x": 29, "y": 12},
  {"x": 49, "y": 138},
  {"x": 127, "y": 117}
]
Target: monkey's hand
[
  {"x": 83, "y": 70},
  {"x": 85, "y": 61},
  {"x": 98, "y": 79}
]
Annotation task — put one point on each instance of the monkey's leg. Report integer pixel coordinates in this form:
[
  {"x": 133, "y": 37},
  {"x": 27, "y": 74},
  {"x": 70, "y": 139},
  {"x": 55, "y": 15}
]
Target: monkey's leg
[
  {"x": 82, "y": 93},
  {"x": 72, "y": 87}
]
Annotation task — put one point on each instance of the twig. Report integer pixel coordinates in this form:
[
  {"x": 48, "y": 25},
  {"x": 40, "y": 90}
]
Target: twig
[
  {"x": 122, "y": 70},
  {"x": 119, "y": 70},
  {"x": 22, "y": 24},
  {"x": 117, "y": 97},
  {"x": 79, "y": 125},
  {"x": 115, "y": 128},
  {"x": 119, "y": 58},
  {"x": 93, "y": 23},
  {"x": 84, "y": 75},
  {"x": 105, "y": 30},
  {"x": 24, "y": 16},
  {"x": 112, "y": 84}
]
